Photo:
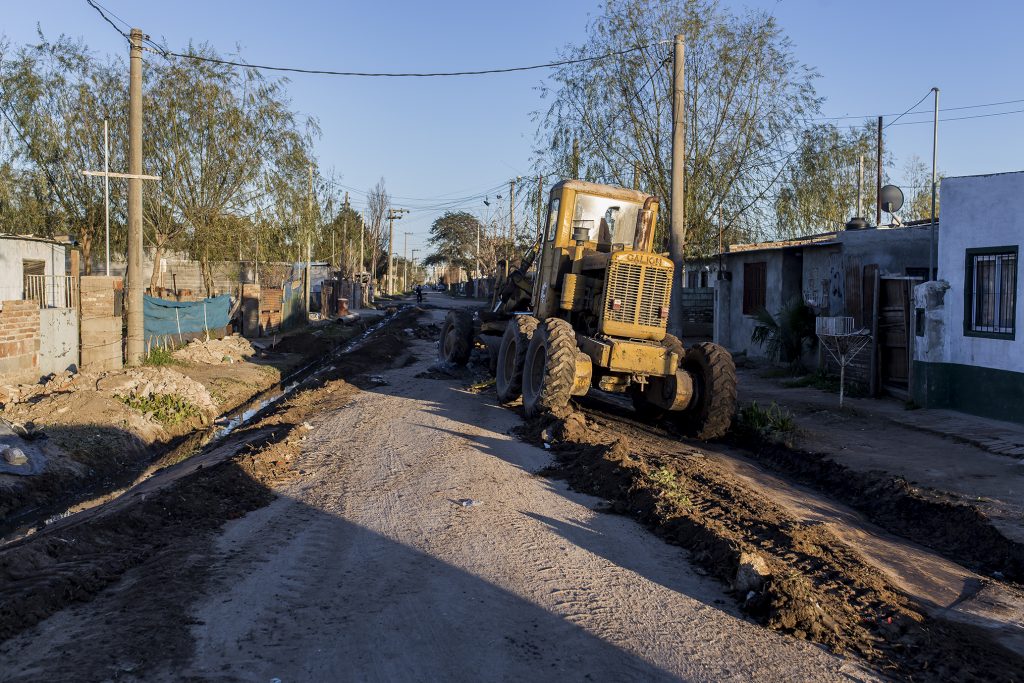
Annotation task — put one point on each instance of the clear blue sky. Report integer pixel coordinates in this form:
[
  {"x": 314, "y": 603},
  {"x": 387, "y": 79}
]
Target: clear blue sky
[{"x": 454, "y": 137}]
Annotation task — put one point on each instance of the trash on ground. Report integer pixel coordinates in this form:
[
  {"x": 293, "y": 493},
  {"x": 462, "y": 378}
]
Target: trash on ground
[{"x": 468, "y": 502}]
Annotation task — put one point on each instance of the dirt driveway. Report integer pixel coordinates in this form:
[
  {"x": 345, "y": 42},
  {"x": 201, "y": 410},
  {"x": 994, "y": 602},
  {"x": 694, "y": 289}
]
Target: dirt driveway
[{"x": 368, "y": 566}]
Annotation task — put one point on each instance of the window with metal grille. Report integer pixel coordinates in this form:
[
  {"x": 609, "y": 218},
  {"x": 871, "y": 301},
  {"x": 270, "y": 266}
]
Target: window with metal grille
[
  {"x": 754, "y": 287},
  {"x": 990, "y": 292}
]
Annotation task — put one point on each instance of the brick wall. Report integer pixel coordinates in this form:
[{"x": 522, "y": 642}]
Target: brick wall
[{"x": 19, "y": 337}]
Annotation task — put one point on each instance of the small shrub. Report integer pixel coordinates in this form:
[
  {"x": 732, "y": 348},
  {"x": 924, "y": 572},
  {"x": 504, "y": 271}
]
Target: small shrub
[
  {"x": 167, "y": 409},
  {"x": 160, "y": 356},
  {"x": 787, "y": 335},
  {"x": 773, "y": 423}
]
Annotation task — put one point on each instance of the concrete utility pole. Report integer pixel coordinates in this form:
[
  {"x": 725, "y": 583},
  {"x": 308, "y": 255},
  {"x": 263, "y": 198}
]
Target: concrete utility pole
[
  {"x": 309, "y": 237},
  {"x": 511, "y": 219},
  {"x": 575, "y": 157},
  {"x": 405, "y": 261},
  {"x": 136, "y": 319},
  {"x": 413, "y": 252},
  {"x": 540, "y": 205},
  {"x": 362, "y": 230},
  {"x": 878, "y": 177},
  {"x": 344, "y": 233},
  {"x": 935, "y": 149},
  {"x": 677, "y": 241},
  {"x": 393, "y": 215}
]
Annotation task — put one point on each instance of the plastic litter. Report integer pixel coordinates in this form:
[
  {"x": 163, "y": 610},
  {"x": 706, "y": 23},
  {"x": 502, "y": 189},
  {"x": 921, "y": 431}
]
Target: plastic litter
[
  {"x": 14, "y": 456},
  {"x": 468, "y": 502},
  {"x": 306, "y": 425},
  {"x": 547, "y": 447}
]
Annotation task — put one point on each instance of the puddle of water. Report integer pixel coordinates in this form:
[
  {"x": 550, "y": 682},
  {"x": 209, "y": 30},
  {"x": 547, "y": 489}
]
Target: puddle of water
[{"x": 221, "y": 428}]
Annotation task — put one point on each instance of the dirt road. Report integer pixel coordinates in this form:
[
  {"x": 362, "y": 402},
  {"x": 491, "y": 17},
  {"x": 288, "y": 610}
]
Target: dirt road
[{"x": 368, "y": 567}]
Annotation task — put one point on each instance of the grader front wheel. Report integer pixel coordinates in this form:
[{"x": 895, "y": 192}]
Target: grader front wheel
[
  {"x": 549, "y": 371},
  {"x": 714, "y": 377},
  {"x": 456, "y": 341}
]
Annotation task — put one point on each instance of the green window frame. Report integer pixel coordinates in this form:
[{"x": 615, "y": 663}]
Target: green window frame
[{"x": 990, "y": 292}]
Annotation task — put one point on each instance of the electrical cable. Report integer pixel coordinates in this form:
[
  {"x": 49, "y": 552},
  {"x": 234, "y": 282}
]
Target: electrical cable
[{"x": 909, "y": 110}]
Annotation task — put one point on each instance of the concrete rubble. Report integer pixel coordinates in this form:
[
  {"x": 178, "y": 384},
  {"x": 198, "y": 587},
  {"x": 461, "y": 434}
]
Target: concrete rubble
[{"x": 232, "y": 349}]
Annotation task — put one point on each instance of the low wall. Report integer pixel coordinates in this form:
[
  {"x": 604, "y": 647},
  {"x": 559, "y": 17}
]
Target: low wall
[
  {"x": 101, "y": 299},
  {"x": 19, "y": 337},
  {"x": 58, "y": 340}
]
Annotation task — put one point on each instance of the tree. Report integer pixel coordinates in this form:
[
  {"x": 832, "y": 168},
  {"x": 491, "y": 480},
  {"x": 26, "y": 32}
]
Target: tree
[
  {"x": 224, "y": 140},
  {"x": 453, "y": 237},
  {"x": 53, "y": 98},
  {"x": 746, "y": 99},
  {"x": 819, "y": 187},
  {"x": 918, "y": 179},
  {"x": 378, "y": 204}
]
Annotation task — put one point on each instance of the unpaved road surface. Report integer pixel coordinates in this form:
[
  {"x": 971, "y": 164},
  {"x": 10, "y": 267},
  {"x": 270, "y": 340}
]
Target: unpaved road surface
[{"x": 367, "y": 566}]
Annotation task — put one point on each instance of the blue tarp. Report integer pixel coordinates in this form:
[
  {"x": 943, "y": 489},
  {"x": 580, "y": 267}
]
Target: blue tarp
[{"x": 165, "y": 318}]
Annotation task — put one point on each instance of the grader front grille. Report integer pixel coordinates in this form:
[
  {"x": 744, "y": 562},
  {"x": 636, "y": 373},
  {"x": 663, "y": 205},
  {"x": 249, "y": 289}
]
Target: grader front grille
[{"x": 636, "y": 300}]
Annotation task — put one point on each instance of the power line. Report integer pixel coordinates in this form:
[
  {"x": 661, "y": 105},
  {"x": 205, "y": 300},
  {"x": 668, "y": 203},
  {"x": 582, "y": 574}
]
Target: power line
[
  {"x": 871, "y": 116},
  {"x": 908, "y": 110},
  {"x": 963, "y": 118},
  {"x": 96, "y": 6}
]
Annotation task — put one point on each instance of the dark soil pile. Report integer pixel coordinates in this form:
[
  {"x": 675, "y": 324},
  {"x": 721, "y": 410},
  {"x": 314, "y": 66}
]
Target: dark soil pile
[
  {"x": 960, "y": 532},
  {"x": 814, "y": 585}
]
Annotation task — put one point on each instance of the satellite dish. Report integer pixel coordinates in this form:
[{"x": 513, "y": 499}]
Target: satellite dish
[{"x": 891, "y": 199}]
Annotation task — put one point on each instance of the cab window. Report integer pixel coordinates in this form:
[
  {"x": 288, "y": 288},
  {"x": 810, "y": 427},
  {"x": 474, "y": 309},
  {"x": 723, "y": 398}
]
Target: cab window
[
  {"x": 552, "y": 219},
  {"x": 609, "y": 221}
]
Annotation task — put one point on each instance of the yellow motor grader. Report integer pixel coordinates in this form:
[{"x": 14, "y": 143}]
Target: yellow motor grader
[{"x": 594, "y": 315}]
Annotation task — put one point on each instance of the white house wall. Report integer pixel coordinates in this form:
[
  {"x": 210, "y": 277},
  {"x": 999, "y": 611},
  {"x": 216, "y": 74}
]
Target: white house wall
[
  {"x": 13, "y": 251},
  {"x": 974, "y": 374}
]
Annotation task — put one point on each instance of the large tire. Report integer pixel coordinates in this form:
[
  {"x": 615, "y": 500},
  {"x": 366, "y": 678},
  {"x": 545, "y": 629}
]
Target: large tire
[
  {"x": 456, "y": 341},
  {"x": 508, "y": 375},
  {"x": 714, "y": 379},
  {"x": 550, "y": 367},
  {"x": 644, "y": 408}
]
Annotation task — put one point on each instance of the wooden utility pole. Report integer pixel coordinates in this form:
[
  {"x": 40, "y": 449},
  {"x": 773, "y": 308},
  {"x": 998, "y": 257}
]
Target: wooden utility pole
[
  {"x": 636, "y": 175},
  {"x": 540, "y": 205},
  {"x": 136, "y": 318},
  {"x": 309, "y": 237},
  {"x": 878, "y": 177},
  {"x": 677, "y": 241}
]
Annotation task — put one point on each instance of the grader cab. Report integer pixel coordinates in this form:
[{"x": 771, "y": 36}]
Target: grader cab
[{"x": 597, "y": 317}]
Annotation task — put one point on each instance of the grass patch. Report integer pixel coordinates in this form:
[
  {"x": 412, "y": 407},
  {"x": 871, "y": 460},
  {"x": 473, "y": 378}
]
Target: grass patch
[
  {"x": 160, "y": 357},
  {"x": 772, "y": 423},
  {"x": 672, "y": 490},
  {"x": 826, "y": 382},
  {"x": 167, "y": 409}
]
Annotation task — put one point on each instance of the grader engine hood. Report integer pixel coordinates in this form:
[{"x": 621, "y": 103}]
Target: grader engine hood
[{"x": 637, "y": 293}]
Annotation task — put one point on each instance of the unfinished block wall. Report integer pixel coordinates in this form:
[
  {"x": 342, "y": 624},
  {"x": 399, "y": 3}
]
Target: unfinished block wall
[
  {"x": 101, "y": 323},
  {"x": 19, "y": 337}
]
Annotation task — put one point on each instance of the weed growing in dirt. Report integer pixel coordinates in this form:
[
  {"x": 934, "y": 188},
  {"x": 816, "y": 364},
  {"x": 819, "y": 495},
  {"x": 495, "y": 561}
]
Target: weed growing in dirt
[
  {"x": 167, "y": 409},
  {"x": 159, "y": 357},
  {"x": 667, "y": 481},
  {"x": 482, "y": 386},
  {"x": 773, "y": 423}
]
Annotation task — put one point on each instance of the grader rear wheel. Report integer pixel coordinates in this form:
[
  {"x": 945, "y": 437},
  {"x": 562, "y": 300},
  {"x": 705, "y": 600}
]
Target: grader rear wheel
[
  {"x": 456, "y": 341},
  {"x": 714, "y": 379},
  {"x": 508, "y": 376},
  {"x": 550, "y": 367}
]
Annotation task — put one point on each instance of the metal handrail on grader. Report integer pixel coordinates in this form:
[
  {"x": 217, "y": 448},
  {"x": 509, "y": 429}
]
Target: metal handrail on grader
[{"x": 594, "y": 315}]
